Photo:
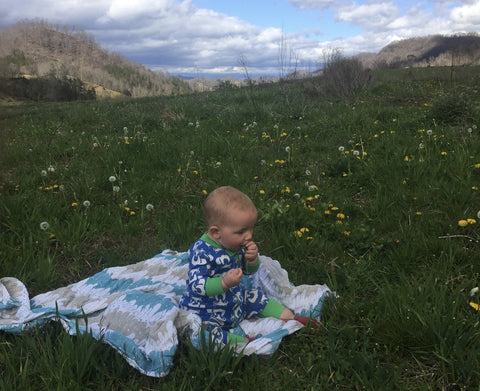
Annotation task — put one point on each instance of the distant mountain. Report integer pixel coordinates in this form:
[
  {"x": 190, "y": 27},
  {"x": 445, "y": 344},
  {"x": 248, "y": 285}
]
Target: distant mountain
[
  {"x": 433, "y": 50},
  {"x": 37, "y": 49}
]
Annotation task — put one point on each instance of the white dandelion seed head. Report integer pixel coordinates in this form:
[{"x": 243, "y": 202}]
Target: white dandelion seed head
[
  {"x": 474, "y": 127},
  {"x": 474, "y": 291},
  {"x": 275, "y": 126},
  {"x": 86, "y": 203},
  {"x": 297, "y": 196},
  {"x": 116, "y": 189},
  {"x": 192, "y": 153},
  {"x": 341, "y": 148},
  {"x": 149, "y": 207},
  {"x": 218, "y": 164},
  {"x": 125, "y": 130},
  {"x": 421, "y": 146},
  {"x": 95, "y": 145},
  {"x": 429, "y": 132},
  {"x": 125, "y": 202},
  {"x": 478, "y": 214},
  {"x": 311, "y": 188},
  {"x": 287, "y": 149},
  {"x": 51, "y": 169},
  {"x": 112, "y": 178},
  {"x": 44, "y": 226},
  {"x": 469, "y": 130},
  {"x": 263, "y": 162},
  {"x": 308, "y": 172},
  {"x": 356, "y": 153},
  {"x": 62, "y": 187},
  {"x": 43, "y": 172},
  {"x": 126, "y": 138}
]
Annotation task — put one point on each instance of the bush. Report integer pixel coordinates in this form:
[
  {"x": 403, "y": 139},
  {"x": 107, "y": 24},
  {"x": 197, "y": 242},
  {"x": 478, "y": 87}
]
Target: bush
[
  {"x": 344, "y": 76},
  {"x": 452, "y": 109}
]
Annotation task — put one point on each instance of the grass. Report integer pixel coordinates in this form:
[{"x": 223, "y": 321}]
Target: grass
[{"x": 364, "y": 195}]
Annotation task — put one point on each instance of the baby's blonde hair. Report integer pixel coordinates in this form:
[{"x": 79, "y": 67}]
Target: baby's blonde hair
[{"x": 223, "y": 199}]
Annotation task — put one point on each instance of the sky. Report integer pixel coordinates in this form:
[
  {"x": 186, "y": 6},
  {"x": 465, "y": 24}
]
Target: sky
[{"x": 214, "y": 38}]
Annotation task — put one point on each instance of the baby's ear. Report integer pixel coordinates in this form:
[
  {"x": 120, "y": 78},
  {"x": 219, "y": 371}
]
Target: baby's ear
[{"x": 214, "y": 231}]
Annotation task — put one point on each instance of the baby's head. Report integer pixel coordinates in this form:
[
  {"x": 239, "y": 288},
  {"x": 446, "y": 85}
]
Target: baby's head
[{"x": 221, "y": 202}]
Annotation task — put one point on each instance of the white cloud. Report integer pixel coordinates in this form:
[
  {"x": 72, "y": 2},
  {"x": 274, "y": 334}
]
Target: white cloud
[
  {"x": 312, "y": 4},
  {"x": 176, "y": 35},
  {"x": 369, "y": 16},
  {"x": 467, "y": 15}
]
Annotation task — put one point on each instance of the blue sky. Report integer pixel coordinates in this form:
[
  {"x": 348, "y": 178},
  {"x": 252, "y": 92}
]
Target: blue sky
[{"x": 209, "y": 37}]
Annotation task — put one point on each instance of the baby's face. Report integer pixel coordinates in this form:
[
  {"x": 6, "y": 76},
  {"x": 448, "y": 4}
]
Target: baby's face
[{"x": 237, "y": 229}]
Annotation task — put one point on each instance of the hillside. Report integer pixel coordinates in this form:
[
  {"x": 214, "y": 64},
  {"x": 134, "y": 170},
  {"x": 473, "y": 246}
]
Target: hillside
[
  {"x": 38, "y": 49},
  {"x": 433, "y": 50}
]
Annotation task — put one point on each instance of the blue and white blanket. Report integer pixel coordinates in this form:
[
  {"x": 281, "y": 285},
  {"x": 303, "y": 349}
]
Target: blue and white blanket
[{"x": 134, "y": 309}]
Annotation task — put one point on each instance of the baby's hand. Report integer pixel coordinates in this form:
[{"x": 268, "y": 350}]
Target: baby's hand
[
  {"x": 232, "y": 278},
  {"x": 251, "y": 253}
]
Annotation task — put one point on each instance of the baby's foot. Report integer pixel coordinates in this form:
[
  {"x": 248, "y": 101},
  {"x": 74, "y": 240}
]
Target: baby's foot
[{"x": 308, "y": 321}]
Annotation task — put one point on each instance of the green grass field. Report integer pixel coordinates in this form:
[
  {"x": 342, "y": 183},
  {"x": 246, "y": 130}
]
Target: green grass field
[{"x": 377, "y": 196}]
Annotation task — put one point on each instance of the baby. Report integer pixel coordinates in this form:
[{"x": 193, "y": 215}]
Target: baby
[{"x": 217, "y": 262}]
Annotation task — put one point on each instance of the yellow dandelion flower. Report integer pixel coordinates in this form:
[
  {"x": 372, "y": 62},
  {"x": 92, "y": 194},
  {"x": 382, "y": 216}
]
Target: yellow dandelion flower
[
  {"x": 74, "y": 203},
  {"x": 406, "y": 158},
  {"x": 261, "y": 191},
  {"x": 327, "y": 212},
  {"x": 462, "y": 223},
  {"x": 340, "y": 216},
  {"x": 474, "y": 188},
  {"x": 333, "y": 207},
  {"x": 477, "y": 165},
  {"x": 471, "y": 221},
  {"x": 444, "y": 153},
  {"x": 346, "y": 233},
  {"x": 132, "y": 213},
  {"x": 418, "y": 213},
  {"x": 204, "y": 192}
]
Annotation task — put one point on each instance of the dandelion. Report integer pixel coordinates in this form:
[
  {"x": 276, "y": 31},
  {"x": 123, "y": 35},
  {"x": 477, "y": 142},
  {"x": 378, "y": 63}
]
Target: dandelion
[
  {"x": 340, "y": 216},
  {"x": 474, "y": 291},
  {"x": 471, "y": 221},
  {"x": 95, "y": 145},
  {"x": 204, "y": 192},
  {"x": 112, "y": 178},
  {"x": 346, "y": 233},
  {"x": 74, "y": 204},
  {"x": 44, "y": 226},
  {"x": 116, "y": 189},
  {"x": 297, "y": 196},
  {"x": 86, "y": 203},
  {"x": 406, "y": 158},
  {"x": 429, "y": 132},
  {"x": 132, "y": 213},
  {"x": 462, "y": 223},
  {"x": 308, "y": 173},
  {"x": 421, "y": 146},
  {"x": 341, "y": 148},
  {"x": 218, "y": 164},
  {"x": 444, "y": 153},
  {"x": 287, "y": 149},
  {"x": 312, "y": 188},
  {"x": 478, "y": 214},
  {"x": 51, "y": 169},
  {"x": 43, "y": 172},
  {"x": 470, "y": 130},
  {"x": 149, "y": 207},
  {"x": 262, "y": 192},
  {"x": 356, "y": 153}
]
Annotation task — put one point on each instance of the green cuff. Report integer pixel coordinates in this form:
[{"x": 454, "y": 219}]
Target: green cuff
[
  {"x": 234, "y": 338},
  {"x": 250, "y": 269},
  {"x": 273, "y": 309},
  {"x": 213, "y": 286}
]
